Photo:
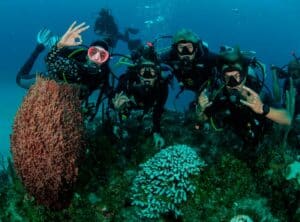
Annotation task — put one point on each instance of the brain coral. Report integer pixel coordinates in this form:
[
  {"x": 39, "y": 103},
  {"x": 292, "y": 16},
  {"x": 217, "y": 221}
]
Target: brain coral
[
  {"x": 165, "y": 181},
  {"x": 47, "y": 141}
]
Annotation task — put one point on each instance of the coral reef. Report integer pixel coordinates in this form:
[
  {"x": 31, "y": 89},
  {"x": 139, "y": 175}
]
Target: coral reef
[
  {"x": 47, "y": 142},
  {"x": 271, "y": 172},
  {"x": 232, "y": 186},
  {"x": 221, "y": 185},
  {"x": 165, "y": 181}
]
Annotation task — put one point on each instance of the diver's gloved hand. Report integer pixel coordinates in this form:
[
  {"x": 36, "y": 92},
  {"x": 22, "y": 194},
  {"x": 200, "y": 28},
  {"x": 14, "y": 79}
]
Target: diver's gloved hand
[
  {"x": 43, "y": 36},
  {"x": 159, "y": 142},
  {"x": 46, "y": 38},
  {"x": 52, "y": 41},
  {"x": 120, "y": 100},
  {"x": 203, "y": 102}
]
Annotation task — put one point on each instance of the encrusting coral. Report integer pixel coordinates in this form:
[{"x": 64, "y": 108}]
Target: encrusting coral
[
  {"x": 47, "y": 141},
  {"x": 166, "y": 181}
]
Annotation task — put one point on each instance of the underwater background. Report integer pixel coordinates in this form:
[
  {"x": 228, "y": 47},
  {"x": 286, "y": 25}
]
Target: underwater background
[{"x": 271, "y": 28}]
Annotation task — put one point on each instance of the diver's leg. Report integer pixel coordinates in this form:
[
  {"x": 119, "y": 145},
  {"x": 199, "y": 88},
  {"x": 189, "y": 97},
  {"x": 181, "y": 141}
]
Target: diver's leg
[
  {"x": 99, "y": 100},
  {"x": 24, "y": 72},
  {"x": 133, "y": 31},
  {"x": 125, "y": 37}
]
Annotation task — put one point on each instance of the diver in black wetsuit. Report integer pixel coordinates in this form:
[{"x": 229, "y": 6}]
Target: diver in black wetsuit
[
  {"x": 70, "y": 62},
  {"x": 239, "y": 103},
  {"x": 143, "y": 88},
  {"x": 45, "y": 39},
  {"x": 106, "y": 27},
  {"x": 191, "y": 62}
]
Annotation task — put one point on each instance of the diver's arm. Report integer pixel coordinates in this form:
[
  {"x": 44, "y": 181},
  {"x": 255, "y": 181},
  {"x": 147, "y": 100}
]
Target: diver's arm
[
  {"x": 105, "y": 90},
  {"x": 254, "y": 102},
  {"x": 280, "y": 116},
  {"x": 24, "y": 79},
  {"x": 122, "y": 99},
  {"x": 72, "y": 37},
  {"x": 44, "y": 39},
  {"x": 203, "y": 104},
  {"x": 58, "y": 63}
]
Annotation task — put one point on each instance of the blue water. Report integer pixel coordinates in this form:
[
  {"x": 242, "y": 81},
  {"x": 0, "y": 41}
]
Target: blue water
[{"x": 270, "y": 27}]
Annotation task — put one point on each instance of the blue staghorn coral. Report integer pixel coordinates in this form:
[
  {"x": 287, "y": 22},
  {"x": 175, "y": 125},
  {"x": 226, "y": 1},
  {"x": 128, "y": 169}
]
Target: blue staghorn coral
[{"x": 165, "y": 181}]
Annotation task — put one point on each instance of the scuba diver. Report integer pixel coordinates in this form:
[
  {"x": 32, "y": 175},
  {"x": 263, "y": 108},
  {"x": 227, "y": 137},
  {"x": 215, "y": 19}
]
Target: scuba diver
[
  {"x": 288, "y": 72},
  {"x": 86, "y": 66},
  {"x": 45, "y": 39},
  {"x": 106, "y": 27},
  {"x": 191, "y": 62},
  {"x": 238, "y": 101},
  {"x": 143, "y": 88}
]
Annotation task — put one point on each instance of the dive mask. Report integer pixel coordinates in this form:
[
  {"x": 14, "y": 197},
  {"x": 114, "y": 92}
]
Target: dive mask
[
  {"x": 236, "y": 79},
  {"x": 185, "y": 48},
  {"x": 149, "y": 70},
  {"x": 232, "y": 81},
  {"x": 148, "y": 73},
  {"x": 98, "y": 54}
]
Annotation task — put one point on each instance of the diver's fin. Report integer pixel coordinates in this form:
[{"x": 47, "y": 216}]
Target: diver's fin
[{"x": 133, "y": 31}]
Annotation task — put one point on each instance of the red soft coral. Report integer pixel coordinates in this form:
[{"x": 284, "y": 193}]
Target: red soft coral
[{"x": 47, "y": 142}]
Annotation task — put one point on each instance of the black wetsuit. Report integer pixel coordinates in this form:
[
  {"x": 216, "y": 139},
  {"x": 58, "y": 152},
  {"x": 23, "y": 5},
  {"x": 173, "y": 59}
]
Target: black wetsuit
[
  {"x": 145, "y": 97},
  {"x": 24, "y": 79},
  {"x": 192, "y": 74},
  {"x": 107, "y": 28},
  {"x": 226, "y": 112},
  {"x": 63, "y": 66}
]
